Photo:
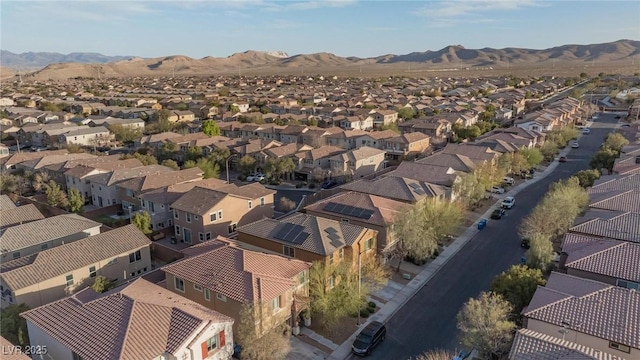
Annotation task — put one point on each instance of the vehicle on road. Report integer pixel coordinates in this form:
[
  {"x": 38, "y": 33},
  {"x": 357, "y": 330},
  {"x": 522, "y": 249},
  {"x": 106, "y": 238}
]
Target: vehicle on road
[
  {"x": 497, "y": 190},
  {"x": 562, "y": 159},
  {"x": 329, "y": 184},
  {"x": 368, "y": 338},
  {"x": 497, "y": 214},
  {"x": 508, "y": 180},
  {"x": 256, "y": 177},
  {"x": 508, "y": 202},
  {"x": 525, "y": 243},
  {"x": 575, "y": 145},
  {"x": 586, "y": 130}
]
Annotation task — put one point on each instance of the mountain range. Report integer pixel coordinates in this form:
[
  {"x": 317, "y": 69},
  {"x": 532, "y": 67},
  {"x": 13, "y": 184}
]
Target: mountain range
[{"x": 59, "y": 66}]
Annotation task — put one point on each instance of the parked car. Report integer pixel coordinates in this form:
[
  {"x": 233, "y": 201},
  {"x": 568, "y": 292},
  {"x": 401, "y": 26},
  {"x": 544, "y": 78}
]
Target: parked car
[
  {"x": 497, "y": 189},
  {"x": 586, "y": 130},
  {"x": 368, "y": 338},
  {"x": 575, "y": 145},
  {"x": 256, "y": 177},
  {"x": 508, "y": 202},
  {"x": 508, "y": 180},
  {"x": 498, "y": 213},
  {"x": 329, "y": 184},
  {"x": 562, "y": 159}
]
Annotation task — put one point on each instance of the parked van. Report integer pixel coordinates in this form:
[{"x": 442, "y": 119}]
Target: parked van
[{"x": 368, "y": 338}]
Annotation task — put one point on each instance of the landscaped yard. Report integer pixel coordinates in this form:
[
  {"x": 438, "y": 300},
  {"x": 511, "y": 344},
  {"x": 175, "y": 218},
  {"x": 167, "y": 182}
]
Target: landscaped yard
[{"x": 341, "y": 331}]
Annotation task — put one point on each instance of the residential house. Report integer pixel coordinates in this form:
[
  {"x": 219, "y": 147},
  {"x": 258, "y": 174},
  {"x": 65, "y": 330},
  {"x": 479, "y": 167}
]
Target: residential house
[
  {"x": 357, "y": 123},
  {"x": 287, "y": 150},
  {"x": 384, "y": 117},
  {"x": 242, "y": 106},
  {"x": 315, "y": 161},
  {"x": 318, "y": 137},
  {"x": 184, "y": 115},
  {"x": 590, "y": 313},
  {"x": 477, "y": 153},
  {"x": 406, "y": 146},
  {"x": 76, "y": 177},
  {"x": 397, "y": 188},
  {"x": 454, "y": 161},
  {"x": 615, "y": 183},
  {"x": 539, "y": 122},
  {"x": 617, "y": 225},
  {"x": 226, "y": 276},
  {"x": 357, "y": 163},
  {"x": 204, "y": 213},
  {"x": 432, "y": 174},
  {"x": 256, "y": 149},
  {"x": 436, "y": 129},
  {"x": 155, "y": 141},
  {"x": 95, "y": 136},
  {"x": 57, "y": 272},
  {"x": 347, "y": 140},
  {"x": 312, "y": 238},
  {"x": 365, "y": 210},
  {"x": 6, "y": 203},
  {"x": 42, "y": 163},
  {"x": 135, "y": 123},
  {"x": 32, "y": 237},
  {"x": 532, "y": 345},
  {"x": 14, "y": 160},
  {"x": 18, "y": 215},
  {"x": 129, "y": 190},
  {"x": 375, "y": 139},
  {"x": 140, "y": 320},
  {"x": 103, "y": 185}
]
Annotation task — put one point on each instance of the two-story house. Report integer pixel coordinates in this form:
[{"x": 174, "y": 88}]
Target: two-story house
[
  {"x": 225, "y": 276},
  {"x": 312, "y": 238},
  {"x": 315, "y": 160},
  {"x": 54, "y": 273},
  {"x": 18, "y": 215},
  {"x": 140, "y": 320},
  {"x": 201, "y": 214},
  {"x": 406, "y": 146},
  {"x": 357, "y": 123},
  {"x": 93, "y": 136},
  {"x": 77, "y": 177},
  {"x": 384, "y": 117},
  {"x": 346, "y": 139},
  {"x": 397, "y": 188},
  {"x": 358, "y": 163},
  {"x": 32, "y": 237}
]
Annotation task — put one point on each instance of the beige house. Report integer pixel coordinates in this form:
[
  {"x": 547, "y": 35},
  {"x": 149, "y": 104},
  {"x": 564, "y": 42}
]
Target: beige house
[
  {"x": 32, "y": 237},
  {"x": 76, "y": 177},
  {"x": 52, "y": 274},
  {"x": 223, "y": 275},
  {"x": 140, "y": 320},
  {"x": 18, "y": 215},
  {"x": 358, "y": 162},
  {"x": 201, "y": 214},
  {"x": 384, "y": 117},
  {"x": 529, "y": 345},
  {"x": 406, "y": 146},
  {"x": 589, "y": 313},
  {"x": 93, "y": 136}
]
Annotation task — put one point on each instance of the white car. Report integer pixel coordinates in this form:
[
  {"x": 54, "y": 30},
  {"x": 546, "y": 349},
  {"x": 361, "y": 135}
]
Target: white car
[
  {"x": 575, "y": 145},
  {"x": 256, "y": 177},
  {"x": 586, "y": 130},
  {"x": 508, "y": 180},
  {"x": 508, "y": 202},
  {"x": 497, "y": 190}
]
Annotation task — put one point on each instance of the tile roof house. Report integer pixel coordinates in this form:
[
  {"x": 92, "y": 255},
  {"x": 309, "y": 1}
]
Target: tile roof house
[
  {"x": 54, "y": 273},
  {"x": 6, "y": 203},
  {"x": 357, "y": 163},
  {"x": 624, "y": 200},
  {"x": 76, "y": 177},
  {"x": 618, "y": 225},
  {"x": 140, "y": 320},
  {"x": 224, "y": 275},
  {"x": 432, "y": 174},
  {"x": 456, "y": 162},
  {"x": 397, "y": 188},
  {"x": 590, "y": 313},
  {"x": 311, "y": 238},
  {"x": 406, "y": 146},
  {"x": 349, "y": 207},
  {"x": 19, "y": 215},
  {"x": 532, "y": 345},
  {"x": 12, "y": 161},
  {"x": 609, "y": 183},
  {"x": 315, "y": 160},
  {"x": 203, "y": 213},
  {"x": 609, "y": 261},
  {"x": 32, "y": 237}
]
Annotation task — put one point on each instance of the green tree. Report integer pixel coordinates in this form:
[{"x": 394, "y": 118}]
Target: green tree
[
  {"x": 76, "y": 201},
  {"x": 261, "y": 339},
  {"x": 540, "y": 252},
  {"x": 170, "y": 164},
  {"x": 219, "y": 156},
  {"x": 276, "y": 168},
  {"x": 532, "y": 156},
  {"x": 604, "y": 159},
  {"x": 125, "y": 134},
  {"x": 439, "y": 354},
  {"x": 312, "y": 122},
  {"x": 146, "y": 159},
  {"x": 8, "y": 183},
  {"x": 210, "y": 169},
  {"x": 469, "y": 189},
  {"x": 519, "y": 163},
  {"x": 74, "y": 148},
  {"x": 13, "y": 327},
  {"x": 549, "y": 150},
  {"x": 427, "y": 223},
  {"x": 246, "y": 164},
  {"x": 194, "y": 152},
  {"x": 142, "y": 220},
  {"x": 234, "y": 109},
  {"x": 517, "y": 285},
  {"x": 587, "y": 177},
  {"x": 55, "y": 196},
  {"x": 406, "y": 113},
  {"x": 210, "y": 127},
  {"x": 39, "y": 180},
  {"x": 615, "y": 142},
  {"x": 101, "y": 284},
  {"x": 485, "y": 326},
  {"x": 392, "y": 126},
  {"x": 162, "y": 120}
]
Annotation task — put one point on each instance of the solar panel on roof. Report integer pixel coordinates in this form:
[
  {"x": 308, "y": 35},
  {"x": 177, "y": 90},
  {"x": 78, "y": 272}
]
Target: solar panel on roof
[
  {"x": 414, "y": 186},
  {"x": 349, "y": 210}
]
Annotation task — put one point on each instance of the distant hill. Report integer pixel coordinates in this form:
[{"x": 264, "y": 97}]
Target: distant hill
[
  {"x": 42, "y": 59},
  {"x": 622, "y": 51}
]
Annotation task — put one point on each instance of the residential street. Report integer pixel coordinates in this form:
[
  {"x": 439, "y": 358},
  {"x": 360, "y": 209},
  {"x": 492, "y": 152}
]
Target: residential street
[{"x": 428, "y": 320}]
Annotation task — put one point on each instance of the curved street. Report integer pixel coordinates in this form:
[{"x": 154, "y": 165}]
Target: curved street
[{"x": 428, "y": 320}]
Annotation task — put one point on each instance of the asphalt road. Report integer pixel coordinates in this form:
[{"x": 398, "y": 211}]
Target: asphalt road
[{"x": 428, "y": 320}]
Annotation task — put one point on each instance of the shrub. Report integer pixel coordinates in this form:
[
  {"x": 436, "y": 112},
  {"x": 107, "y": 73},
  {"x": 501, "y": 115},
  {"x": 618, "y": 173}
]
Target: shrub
[
  {"x": 364, "y": 313},
  {"x": 371, "y": 304},
  {"x": 299, "y": 185}
]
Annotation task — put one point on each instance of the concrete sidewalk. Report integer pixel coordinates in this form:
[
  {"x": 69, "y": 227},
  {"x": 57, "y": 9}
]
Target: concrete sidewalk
[{"x": 420, "y": 280}]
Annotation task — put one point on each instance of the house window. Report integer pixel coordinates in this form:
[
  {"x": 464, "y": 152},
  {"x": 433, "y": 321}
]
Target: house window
[
  {"x": 207, "y": 294},
  {"x": 221, "y": 297},
  {"x": 188, "y": 216},
  {"x": 175, "y": 213},
  {"x": 177, "y": 230},
  {"x": 233, "y": 228},
  {"x": 331, "y": 259},
  {"x": 628, "y": 284},
  {"x": 69, "y": 279},
  {"x": 179, "y": 284},
  {"x": 212, "y": 343},
  {"x": 207, "y": 236},
  {"x": 346, "y": 221},
  {"x": 219, "y": 214},
  {"x": 151, "y": 207},
  {"x": 302, "y": 277},
  {"x": 288, "y": 251},
  {"x": 92, "y": 272},
  {"x": 261, "y": 201},
  {"x": 341, "y": 253},
  {"x": 135, "y": 256},
  {"x": 201, "y": 236},
  {"x": 44, "y": 246},
  {"x": 212, "y": 217},
  {"x": 16, "y": 255},
  {"x": 619, "y": 347},
  {"x": 332, "y": 282},
  {"x": 368, "y": 244},
  {"x": 197, "y": 287},
  {"x": 275, "y": 304},
  {"x": 250, "y": 204}
]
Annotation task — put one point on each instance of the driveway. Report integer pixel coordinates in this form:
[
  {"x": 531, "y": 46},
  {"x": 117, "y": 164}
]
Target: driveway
[{"x": 428, "y": 320}]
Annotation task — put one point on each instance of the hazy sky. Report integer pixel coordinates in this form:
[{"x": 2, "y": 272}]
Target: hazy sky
[{"x": 342, "y": 27}]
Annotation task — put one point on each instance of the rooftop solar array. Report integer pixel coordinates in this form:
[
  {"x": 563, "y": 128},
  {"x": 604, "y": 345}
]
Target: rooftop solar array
[
  {"x": 292, "y": 233},
  {"x": 417, "y": 188},
  {"x": 349, "y": 210}
]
